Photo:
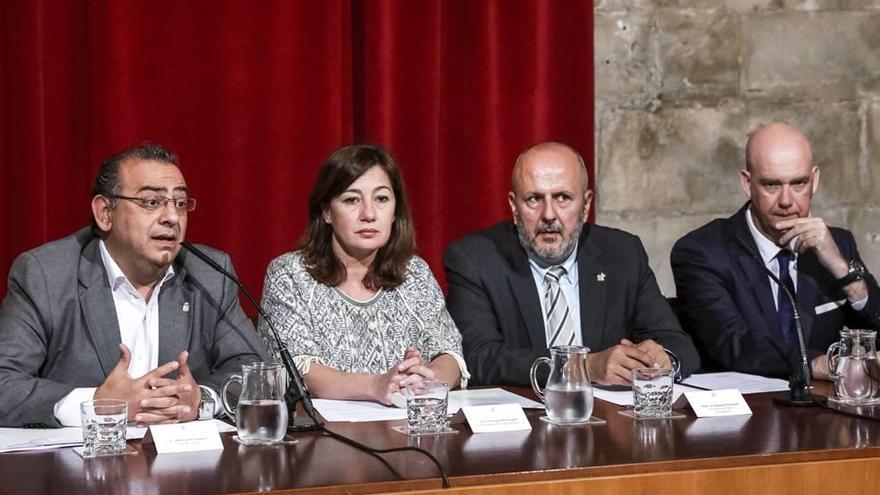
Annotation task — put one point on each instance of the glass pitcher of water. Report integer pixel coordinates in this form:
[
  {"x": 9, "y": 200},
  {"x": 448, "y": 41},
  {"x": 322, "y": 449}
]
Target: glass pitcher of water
[
  {"x": 852, "y": 363},
  {"x": 261, "y": 414},
  {"x": 568, "y": 395}
]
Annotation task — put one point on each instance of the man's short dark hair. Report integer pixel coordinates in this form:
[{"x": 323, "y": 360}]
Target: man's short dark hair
[{"x": 107, "y": 181}]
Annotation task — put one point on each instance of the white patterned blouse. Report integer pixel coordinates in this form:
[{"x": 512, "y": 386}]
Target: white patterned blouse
[{"x": 319, "y": 323}]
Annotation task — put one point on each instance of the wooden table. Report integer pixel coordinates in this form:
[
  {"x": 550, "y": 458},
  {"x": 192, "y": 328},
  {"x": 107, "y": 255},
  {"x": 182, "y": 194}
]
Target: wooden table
[{"x": 777, "y": 450}]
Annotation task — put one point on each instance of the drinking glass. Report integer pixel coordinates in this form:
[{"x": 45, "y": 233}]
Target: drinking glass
[
  {"x": 103, "y": 424},
  {"x": 652, "y": 392},
  {"x": 426, "y": 405}
]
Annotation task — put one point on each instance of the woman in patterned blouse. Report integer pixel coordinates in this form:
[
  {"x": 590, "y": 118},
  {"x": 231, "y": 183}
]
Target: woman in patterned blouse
[{"x": 361, "y": 314}]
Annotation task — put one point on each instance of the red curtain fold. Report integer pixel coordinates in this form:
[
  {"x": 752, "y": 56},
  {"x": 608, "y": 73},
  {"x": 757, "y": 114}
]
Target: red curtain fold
[{"x": 253, "y": 96}]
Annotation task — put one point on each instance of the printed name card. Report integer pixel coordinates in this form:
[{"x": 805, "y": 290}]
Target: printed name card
[
  {"x": 496, "y": 417},
  {"x": 714, "y": 403},
  {"x": 185, "y": 437}
]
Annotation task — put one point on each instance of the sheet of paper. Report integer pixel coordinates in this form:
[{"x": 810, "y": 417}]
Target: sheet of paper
[
  {"x": 355, "y": 411},
  {"x": 625, "y": 397},
  {"x": 488, "y": 397},
  {"x": 23, "y": 439},
  {"x": 745, "y": 383}
]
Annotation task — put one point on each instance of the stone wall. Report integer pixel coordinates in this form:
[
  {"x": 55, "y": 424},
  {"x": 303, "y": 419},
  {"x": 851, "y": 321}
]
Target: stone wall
[{"x": 680, "y": 83}]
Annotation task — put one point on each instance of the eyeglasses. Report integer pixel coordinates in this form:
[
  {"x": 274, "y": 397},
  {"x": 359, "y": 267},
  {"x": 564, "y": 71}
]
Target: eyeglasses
[{"x": 153, "y": 203}]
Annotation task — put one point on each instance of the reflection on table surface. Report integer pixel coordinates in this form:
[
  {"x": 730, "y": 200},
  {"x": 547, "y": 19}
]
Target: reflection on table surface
[{"x": 622, "y": 446}]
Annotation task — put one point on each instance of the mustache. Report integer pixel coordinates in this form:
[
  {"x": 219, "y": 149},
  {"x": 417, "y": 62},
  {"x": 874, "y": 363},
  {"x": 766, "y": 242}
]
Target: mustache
[{"x": 549, "y": 229}]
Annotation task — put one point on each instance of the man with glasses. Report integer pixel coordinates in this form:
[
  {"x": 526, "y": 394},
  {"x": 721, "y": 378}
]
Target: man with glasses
[{"x": 116, "y": 311}]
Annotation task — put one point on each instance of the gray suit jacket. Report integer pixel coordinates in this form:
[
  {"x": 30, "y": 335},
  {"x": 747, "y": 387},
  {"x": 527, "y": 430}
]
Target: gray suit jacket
[
  {"x": 495, "y": 303},
  {"x": 58, "y": 327}
]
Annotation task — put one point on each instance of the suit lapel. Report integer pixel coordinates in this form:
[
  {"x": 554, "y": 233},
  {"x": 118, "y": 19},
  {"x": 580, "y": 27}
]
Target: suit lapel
[
  {"x": 758, "y": 278},
  {"x": 591, "y": 285},
  {"x": 527, "y": 297},
  {"x": 808, "y": 294},
  {"x": 98, "y": 308},
  {"x": 176, "y": 309},
  {"x": 522, "y": 285}
]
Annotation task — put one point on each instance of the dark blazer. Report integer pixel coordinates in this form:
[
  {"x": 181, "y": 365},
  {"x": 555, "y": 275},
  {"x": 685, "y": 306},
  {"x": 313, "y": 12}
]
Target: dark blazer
[
  {"x": 727, "y": 305},
  {"x": 58, "y": 326},
  {"x": 495, "y": 303}
]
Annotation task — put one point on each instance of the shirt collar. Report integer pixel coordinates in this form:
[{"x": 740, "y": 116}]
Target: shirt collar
[
  {"x": 570, "y": 265},
  {"x": 766, "y": 248},
  {"x": 115, "y": 274}
]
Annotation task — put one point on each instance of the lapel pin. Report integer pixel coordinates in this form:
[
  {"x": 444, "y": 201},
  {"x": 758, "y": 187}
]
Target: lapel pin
[
  {"x": 185, "y": 307},
  {"x": 600, "y": 277}
]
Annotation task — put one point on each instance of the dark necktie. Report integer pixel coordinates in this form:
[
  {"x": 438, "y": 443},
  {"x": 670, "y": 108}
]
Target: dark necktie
[{"x": 785, "y": 311}]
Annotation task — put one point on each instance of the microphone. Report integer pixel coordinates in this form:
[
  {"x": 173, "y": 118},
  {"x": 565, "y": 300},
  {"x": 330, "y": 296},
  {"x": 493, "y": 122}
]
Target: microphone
[
  {"x": 799, "y": 381},
  {"x": 296, "y": 388}
]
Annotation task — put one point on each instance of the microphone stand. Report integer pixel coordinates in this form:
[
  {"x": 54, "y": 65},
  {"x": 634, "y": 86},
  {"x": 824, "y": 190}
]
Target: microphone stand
[
  {"x": 799, "y": 381},
  {"x": 296, "y": 392}
]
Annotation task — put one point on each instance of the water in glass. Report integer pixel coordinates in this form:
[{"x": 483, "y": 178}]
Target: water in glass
[
  {"x": 652, "y": 392},
  {"x": 426, "y": 405},
  {"x": 568, "y": 395},
  {"x": 261, "y": 421},
  {"x": 568, "y": 405},
  {"x": 261, "y": 413},
  {"x": 854, "y": 368},
  {"x": 103, "y": 423}
]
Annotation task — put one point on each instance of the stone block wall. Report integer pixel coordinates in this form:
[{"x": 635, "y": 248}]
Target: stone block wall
[{"x": 681, "y": 83}]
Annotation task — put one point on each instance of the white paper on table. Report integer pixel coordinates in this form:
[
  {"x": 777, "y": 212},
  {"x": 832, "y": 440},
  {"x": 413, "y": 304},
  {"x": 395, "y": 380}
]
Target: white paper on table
[
  {"x": 25, "y": 439},
  {"x": 745, "y": 383},
  {"x": 625, "y": 397},
  {"x": 356, "y": 410},
  {"x": 488, "y": 397}
]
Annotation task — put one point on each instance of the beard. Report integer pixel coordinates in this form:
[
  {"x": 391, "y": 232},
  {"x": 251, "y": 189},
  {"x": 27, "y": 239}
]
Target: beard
[{"x": 549, "y": 255}]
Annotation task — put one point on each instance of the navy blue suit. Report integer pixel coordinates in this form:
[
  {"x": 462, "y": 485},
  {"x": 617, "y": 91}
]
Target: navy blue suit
[{"x": 727, "y": 305}]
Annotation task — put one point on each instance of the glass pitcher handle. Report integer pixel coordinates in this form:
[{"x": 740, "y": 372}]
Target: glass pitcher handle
[
  {"x": 833, "y": 354},
  {"x": 229, "y": 410},
  {"x": 534, "y": 377}
]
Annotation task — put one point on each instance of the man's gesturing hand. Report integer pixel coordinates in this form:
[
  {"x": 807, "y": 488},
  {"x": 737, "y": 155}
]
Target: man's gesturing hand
[
  {"x": 181, "y": 405},
  {"x": 119, "y": 385}
]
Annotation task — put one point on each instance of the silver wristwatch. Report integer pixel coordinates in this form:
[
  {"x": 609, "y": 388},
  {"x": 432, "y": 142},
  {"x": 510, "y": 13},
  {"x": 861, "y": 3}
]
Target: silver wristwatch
[{"x": 206, "y": 406}]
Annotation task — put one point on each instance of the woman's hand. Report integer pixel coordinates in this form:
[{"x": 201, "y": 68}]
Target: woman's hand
[{"x": 397, "y": 377}]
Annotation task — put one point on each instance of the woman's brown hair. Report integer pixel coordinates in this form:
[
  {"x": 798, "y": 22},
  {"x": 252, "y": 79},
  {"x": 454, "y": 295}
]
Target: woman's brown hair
[{"x": 338, "y": 172}]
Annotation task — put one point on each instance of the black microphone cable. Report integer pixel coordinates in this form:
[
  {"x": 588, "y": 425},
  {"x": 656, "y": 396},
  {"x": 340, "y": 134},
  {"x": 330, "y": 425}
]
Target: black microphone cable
[
  {"x": 301, "y": 392},
  {"x": 800, "y": 391}
]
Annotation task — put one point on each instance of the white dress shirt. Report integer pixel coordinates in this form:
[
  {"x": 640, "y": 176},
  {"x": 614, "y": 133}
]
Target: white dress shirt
[
  {"x": 568, "y": 283},
  {"x": 138, "y": 329}
]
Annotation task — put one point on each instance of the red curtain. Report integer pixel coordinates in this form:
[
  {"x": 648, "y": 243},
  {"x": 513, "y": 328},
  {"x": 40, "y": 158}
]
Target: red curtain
[{"x": 254, "y": 95}]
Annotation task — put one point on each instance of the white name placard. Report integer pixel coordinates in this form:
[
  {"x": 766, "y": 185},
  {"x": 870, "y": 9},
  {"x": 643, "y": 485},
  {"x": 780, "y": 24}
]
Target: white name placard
[
  {"x": 496, "y": 417},
  {"x": 714, "y": 403},
  {"x": 185, "y": 437}
]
